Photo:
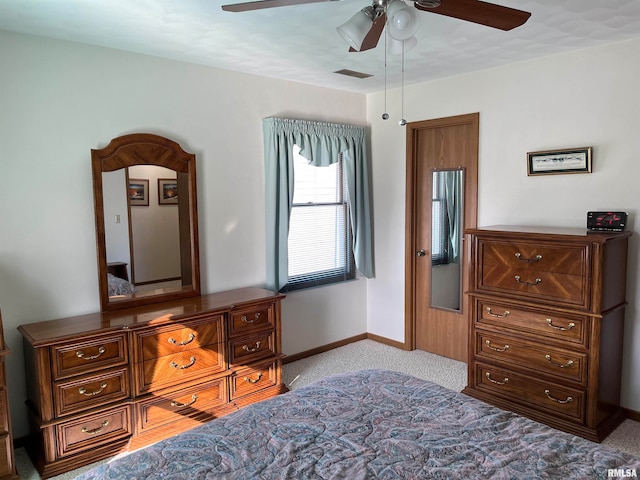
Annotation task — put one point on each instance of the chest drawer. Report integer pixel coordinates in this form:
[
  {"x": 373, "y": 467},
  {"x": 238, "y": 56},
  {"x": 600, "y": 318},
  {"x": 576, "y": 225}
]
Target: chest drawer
[
  {"x": 165, "y": 371},
  {"x": 249, "y": 349},
  {"x": 553, "y": 362},
  {"x": 178, "y": 338},
  {"x": 94, "y": 431},
  {"x": 91, "y": 391},
  {"x": 195, "y": 401},
  {"x": 535, "y": 257},
  {"x": 562, "y": 328},
  {"x": 89, "y": 356},
  {"x": 243, "y": 322},
  {"x": 531, "y": 392},
  {"x": 536, "y": 271},
  {"x": 254, "y": 378}
]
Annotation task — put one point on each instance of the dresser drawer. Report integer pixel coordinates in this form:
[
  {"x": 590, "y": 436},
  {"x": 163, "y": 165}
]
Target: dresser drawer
[
  {"x": 249, "y": 349},
  {"x": 531, "y": 392},
  {"x": 89, "y": 356},
  {"x": 91, "y": 391},
  {"x": 254, "y": 378},
  {"x": 535, "y": 257},
  {"x": 168, "y": 370},
  {"x": 177, "y": 338},
  {"x": 534, "y": 322},
  {"x": 571, "y": 290},
  {"x": 555, "y": 362},
  {"x": 243, "y": 322},
  {"x": 6, "y": 460},
  {"x": 196, "y": 401},
  {"x": 93, "y": 431},
  {"x": 4, "y": 410}
]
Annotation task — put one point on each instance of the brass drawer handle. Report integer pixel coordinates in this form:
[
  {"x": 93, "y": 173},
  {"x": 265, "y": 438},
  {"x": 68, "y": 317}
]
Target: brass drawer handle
[
  {"x": 251, "y": 380},
  {"x": 535, "y": 259},
  {"x": 569, "y": 327},
  {"x": 496, "y": 349},
  {"x": 81, "y": 354},
  {"x": 182, "y": 344},
  {"x": 504, "y": 382},
  {"x": 251, "y": 349},
  {"x": 194, "y": 398},
  {"x": 528, "y": 284},
  {"x": 245, "y": 319},
  {"x": 192, "y": 362},
  {"x": 548, "y": 394},
  {"x": 95, "y": 430},
  {"x": 560, "y": 365},
  {"x": 83, "y": 391},
  {"x": 498, "y": 315}
]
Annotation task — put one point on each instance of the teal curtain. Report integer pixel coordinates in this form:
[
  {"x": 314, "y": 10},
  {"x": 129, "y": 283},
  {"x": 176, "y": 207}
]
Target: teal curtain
[{"x": 322, "y": 144}]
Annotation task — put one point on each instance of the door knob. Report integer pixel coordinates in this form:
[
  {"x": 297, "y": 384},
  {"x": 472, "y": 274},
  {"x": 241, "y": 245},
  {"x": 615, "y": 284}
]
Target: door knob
[{"x": 421, "y": 253}]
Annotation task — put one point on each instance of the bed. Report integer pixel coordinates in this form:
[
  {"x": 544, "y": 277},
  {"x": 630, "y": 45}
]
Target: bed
[
  {"x": 369, "y": 424},
  {"x": 119, "y": 286}
]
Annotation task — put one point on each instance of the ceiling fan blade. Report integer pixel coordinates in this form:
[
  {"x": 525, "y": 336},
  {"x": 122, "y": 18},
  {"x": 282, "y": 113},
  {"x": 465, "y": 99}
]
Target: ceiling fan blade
[
  {"x": 371, "y": 39},
  {"x": 246, "y": 6},
  {"x": 483, "y": 13}
]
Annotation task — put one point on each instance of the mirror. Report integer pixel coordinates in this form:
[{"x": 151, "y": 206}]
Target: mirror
[
  {"x": 446, "y": 238},
  {"x": 144, "y": 189}
]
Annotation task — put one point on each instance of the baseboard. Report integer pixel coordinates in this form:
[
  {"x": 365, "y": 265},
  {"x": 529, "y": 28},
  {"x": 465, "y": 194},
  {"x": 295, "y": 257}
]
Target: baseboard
[
  {"x": 325, "y": 348},
  {"x": 632, "y": 414}
]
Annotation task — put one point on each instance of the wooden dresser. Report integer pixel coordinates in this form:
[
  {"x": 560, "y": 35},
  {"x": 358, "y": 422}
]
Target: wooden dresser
[
  {"x": 110, "y": 382},
  {"x": 7, "y": 459},
  {"x": 547, "y": 323}
]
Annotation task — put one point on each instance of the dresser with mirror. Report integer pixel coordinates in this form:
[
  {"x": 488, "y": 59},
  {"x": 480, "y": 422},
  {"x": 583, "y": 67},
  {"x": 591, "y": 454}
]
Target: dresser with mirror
[{"x": 159, "y": 357}]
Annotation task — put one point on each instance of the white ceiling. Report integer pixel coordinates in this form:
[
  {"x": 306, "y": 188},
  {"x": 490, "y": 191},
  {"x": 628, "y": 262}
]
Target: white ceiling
[{"x": 300, "y": 43}]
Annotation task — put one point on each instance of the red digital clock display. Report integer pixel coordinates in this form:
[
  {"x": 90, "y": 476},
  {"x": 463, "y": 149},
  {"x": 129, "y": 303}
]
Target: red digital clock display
[{"x": 607, "y": 221}]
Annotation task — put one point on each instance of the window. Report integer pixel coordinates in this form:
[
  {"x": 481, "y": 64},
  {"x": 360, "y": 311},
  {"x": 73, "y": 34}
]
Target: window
[{"x": 319, "y": 243}]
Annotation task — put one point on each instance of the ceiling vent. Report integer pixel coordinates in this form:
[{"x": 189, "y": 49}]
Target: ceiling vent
[{"x": 353, "y": 73}]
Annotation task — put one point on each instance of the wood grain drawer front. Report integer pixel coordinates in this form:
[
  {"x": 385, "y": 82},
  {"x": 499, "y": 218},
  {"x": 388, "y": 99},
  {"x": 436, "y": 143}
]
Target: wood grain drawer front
[
  {"x": 571, "y": 290},
  {"x": 243, "y": 322},
  {"x": 178, "y": 338},
  {"x": 6, "y": 461},
  {"x": 538, "y": 271},
  {"x": 93, "y": 431},
  {"x": 252, "y": 379},
  {"x": 249, "y": 349},
  {"x": 555, "y": 362},
  {"x": 90, "y": 356},
  {"x": 4, "y": 411},
  {"x": 506, "y": 317},
  {"x": 91, "y": 391},
  {"x": 197, "y": 401},
  {"x": 168, "y": 370},
  {"x": 532, "y": 392},
  {"x": 535, "y": 257}
]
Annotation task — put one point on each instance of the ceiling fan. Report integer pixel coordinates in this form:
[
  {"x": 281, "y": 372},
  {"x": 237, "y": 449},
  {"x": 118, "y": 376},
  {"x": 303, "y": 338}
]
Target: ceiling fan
[{"x": 364, "y": 30}]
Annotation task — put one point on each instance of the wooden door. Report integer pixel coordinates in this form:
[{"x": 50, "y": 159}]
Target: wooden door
[{"x": 437, "y": 145}]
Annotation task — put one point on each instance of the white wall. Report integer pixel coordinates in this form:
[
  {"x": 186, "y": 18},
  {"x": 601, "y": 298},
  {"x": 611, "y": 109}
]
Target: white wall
[
  {"x": 58, "y": 100},
  {"x": 586, "y": 98}
]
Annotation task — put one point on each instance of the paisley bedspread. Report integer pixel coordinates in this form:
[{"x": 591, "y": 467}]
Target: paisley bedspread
[{"x": 369, "y": 424}]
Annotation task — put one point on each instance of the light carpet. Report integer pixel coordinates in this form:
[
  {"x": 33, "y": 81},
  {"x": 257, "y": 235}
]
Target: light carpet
[{"x": 369, "y": 354}]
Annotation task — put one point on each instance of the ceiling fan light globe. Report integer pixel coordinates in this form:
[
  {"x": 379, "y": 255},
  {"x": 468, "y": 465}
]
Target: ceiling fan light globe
[
  {"x": 394, "y": 46},
  {"x": 402, "y": 20},
  {"x": 355, "y": 30}
]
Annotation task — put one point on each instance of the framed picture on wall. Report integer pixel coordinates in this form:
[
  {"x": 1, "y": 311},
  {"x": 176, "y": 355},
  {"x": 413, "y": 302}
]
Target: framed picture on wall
[
  {"x": 167, "y": 191},
  {"x": 548, "y": 162},
  {"x": 138, "y": 192}
]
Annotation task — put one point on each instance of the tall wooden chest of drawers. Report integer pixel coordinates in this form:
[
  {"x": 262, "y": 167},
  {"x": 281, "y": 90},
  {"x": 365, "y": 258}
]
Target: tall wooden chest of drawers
[
  {"x": 547, "y": 323},
  {"x": 7, "y": 459},
  {"x": 104, "y": 383}
]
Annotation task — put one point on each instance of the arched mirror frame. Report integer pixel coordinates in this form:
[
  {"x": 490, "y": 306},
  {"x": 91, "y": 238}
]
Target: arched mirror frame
[{"x": 146, "y": 149}]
